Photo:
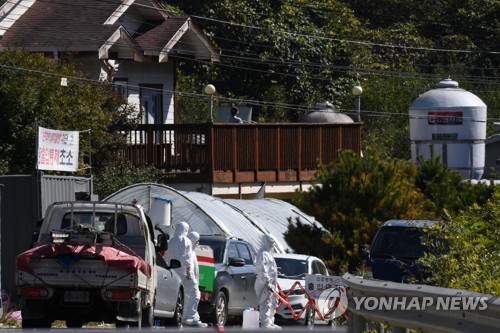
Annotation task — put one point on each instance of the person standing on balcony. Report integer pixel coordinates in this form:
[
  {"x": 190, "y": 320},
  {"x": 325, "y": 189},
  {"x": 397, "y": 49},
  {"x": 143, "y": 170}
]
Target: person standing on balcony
[
  {"x": 266, "y": 282},
  {"x": 234, "y": 116}
]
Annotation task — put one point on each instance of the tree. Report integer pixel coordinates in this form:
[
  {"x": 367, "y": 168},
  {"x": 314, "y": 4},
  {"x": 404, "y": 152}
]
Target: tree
[
  {"x": 31, "y": 95},
  {"x": 288, "y": 55},
  {"x": 446, "y": 189},
  {"x": 119, "y": 174},
  {"x": 354, "y": 197},
  {"x": 276, "y": 51},
  {"x": 472, "y": 260}
]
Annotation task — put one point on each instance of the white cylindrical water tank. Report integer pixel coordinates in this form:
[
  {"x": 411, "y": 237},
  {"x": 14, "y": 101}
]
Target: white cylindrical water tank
[{"x": 450, "y": 122}]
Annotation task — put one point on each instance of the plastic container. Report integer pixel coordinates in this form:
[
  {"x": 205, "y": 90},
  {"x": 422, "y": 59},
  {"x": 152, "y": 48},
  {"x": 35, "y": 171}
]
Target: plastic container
[{"x": 250, "y": 319}]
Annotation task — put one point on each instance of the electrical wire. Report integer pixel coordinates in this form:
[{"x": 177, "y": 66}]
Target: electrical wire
[
  {"x": 279, "y": 62},
  {"x": 342, "y": 69},
  {"x": 285, "y": 106}
]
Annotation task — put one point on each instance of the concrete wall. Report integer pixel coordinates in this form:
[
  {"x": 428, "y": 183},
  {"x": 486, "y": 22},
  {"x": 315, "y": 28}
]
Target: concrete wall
[{"x": 149, "y": 73}]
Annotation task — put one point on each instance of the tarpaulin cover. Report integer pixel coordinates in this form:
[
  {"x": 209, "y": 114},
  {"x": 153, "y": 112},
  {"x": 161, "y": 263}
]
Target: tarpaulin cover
[{"x": 68, "y": 254}]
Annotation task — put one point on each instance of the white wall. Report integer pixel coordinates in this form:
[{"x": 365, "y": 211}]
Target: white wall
[{"x": 139, "y": 73}]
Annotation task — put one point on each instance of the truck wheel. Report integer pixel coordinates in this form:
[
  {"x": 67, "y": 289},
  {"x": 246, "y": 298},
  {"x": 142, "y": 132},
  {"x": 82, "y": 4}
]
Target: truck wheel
[
  {"x": 176, "y": 320},
  {"x": 219, "y": 315},
  {"x": 120, "y": 323},
  {"x": 148, "y": 317},
  {"x": 74, "y": 323},
  {"x": 36, "y": 323}
]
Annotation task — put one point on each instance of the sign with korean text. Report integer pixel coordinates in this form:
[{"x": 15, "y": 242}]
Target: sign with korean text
[
  {"x": 445, "y": 118},
  {"x": 57, "y": 150},
  {"x": 316, "y": 282}
]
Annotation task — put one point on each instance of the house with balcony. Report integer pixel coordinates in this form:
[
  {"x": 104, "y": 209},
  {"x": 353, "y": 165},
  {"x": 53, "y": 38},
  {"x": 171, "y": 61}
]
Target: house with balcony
[{"x": 134, "y": 45}]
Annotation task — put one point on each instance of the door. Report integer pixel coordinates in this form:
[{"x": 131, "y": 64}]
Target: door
[
  {"x": 250, "y": 297},
  {"x": 152, "y": 103},
  {"x": 238, "y": 276},
  {"x": 167, "y": 288}
]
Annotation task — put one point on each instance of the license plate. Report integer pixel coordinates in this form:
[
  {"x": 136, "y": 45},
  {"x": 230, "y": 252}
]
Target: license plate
[{"x": 76, "y": 297}]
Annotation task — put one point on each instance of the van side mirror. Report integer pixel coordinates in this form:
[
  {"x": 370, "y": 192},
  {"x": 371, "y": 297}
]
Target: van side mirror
[
  {"x": 363, "y": 252},
  {"x": 237, "y": 262},
  {"x": 161, "y": 240}
]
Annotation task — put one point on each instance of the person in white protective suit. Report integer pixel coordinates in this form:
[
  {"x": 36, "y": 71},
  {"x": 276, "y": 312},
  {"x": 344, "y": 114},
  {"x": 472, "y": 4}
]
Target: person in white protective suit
[
  {"x": 267, "y": 279},
  {"x": 194, "y": 237},
  {"x": 181, "y": 248}
]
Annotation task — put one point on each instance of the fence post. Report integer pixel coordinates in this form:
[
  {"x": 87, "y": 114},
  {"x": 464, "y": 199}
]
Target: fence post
[
  {"x": 355, "y": 323},
  {"x": 149, "y": 145}
]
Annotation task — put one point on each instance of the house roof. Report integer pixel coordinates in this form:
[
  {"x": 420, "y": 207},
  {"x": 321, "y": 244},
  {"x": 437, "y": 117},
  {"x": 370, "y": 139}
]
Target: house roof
[{"x": 101, "y": 26}]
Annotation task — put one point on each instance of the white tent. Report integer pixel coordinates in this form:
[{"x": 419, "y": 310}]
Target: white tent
[{"x": 208, "y": 215}]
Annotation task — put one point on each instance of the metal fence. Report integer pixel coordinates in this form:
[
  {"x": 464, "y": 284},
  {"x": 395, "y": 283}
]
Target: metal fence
[{"x": 421, "y": 307}]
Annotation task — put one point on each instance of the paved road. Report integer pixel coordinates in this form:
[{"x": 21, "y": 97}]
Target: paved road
[
  {"x": 213, "y": 329},
  {"x": 285, "y": 329}
]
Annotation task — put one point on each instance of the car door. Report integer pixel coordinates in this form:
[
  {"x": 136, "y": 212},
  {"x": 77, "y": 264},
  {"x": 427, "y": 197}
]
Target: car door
[
  {"x": 249, "y": 297},
  {"x": 238, "y": 277},
  {"x": 167, "y": 286}
]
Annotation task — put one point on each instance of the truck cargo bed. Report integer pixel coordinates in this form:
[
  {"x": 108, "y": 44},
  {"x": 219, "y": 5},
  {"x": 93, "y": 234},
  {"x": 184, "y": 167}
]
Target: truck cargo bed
[{"x": 85, "y": 273}]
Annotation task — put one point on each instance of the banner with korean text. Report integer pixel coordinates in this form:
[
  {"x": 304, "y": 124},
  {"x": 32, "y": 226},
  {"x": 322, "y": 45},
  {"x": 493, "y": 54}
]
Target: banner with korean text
[{"x": 57, "y": 150}]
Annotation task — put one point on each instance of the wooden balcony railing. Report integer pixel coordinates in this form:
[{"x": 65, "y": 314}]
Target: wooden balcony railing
[{"x": 228, "y": 153}]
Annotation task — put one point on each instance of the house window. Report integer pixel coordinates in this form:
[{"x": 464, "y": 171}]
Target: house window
[
  {"x": 120, "y": 87},
  {"x": 152, "y": 104}
]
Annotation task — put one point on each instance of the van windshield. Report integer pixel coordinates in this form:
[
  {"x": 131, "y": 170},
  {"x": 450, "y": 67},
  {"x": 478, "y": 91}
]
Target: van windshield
[{"x": 401, "y": 243}]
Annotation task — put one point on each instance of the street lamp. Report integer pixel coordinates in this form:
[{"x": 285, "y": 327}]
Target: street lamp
[
  {"x": 210, "y": 91},
  {"x": 357, "y": 91}
]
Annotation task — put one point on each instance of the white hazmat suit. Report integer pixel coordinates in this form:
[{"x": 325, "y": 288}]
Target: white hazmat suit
[
  {"x": 194, "y": 237},
  {"x": 180, "y": 247},
  {"x": 267, "y": 278}
]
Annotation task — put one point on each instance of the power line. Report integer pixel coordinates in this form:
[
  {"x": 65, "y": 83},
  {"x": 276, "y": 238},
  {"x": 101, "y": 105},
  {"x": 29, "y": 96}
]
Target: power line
[
  {"x": 341, "y": 69},
  {"x": 285, "y": 106},
  {"x": 319, "y": 65},
  {"x": 331, "y": 39},
  {"x": 296, "y": 34}
]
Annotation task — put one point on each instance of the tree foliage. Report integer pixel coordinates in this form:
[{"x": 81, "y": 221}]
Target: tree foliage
[
  {"x": 119, "y": 174},
  {"x": 275, "y": 51},
  {"x": 472, "y": 261},
  {"x": 31, "y": 95},
  {"x": 354, "y": 197},
  {"x": 282, "y": 57},
  {"x": 446, "y": 189}
]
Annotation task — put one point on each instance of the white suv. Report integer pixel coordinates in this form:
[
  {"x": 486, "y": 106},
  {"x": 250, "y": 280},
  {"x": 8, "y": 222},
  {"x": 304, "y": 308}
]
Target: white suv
[{"x": 292, "y": 268}]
